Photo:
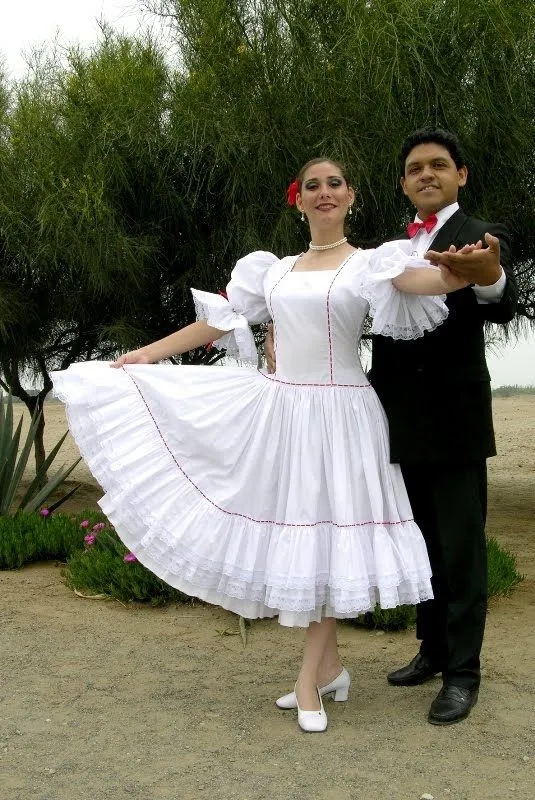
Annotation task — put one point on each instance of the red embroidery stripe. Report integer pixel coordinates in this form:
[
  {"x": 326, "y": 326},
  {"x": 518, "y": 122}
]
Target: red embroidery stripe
[
  {"x": 245, "y": 516},
  {"x": 270, "y": 304},
  {"x": 338, "y": 271},
  {"x": 322, "y": 385}
]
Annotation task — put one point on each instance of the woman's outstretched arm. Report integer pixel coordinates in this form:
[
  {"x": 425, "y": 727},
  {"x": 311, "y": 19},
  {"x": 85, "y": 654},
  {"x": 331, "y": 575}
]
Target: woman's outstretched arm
[
  {"x": 429, "y": 281},
  {"x": 188, "y": 338}
]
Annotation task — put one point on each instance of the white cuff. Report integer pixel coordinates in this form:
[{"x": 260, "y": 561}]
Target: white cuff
[
  {"x": 216, "y": 311},
  {"x": 492, "y": 293},
  {"x": 398, "y": 314}
]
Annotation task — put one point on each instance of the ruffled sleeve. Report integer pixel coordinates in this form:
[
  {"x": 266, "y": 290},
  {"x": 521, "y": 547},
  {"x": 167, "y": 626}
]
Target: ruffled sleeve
[
  {"x": 244, "y": 305},
  {"x": 395, "y": 313}
]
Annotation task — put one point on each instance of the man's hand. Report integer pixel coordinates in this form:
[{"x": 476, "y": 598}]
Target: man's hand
[
  {"x": 473, "y": 262},
  {"x": 133, "y": 357},
  {"x": 269, "y": 350}
]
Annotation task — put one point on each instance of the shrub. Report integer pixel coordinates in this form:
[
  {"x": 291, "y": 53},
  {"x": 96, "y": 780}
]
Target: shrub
[
  {"x": 107, "y": 567},
  {"x": 103, "y": 571},
  {"x": 95, "y": 555},
  {"x": 33, "y": 537}
]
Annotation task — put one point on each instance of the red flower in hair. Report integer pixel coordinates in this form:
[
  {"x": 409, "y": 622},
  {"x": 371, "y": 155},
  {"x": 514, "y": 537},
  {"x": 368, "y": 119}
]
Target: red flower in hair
[{"x": 291, "y": 194}]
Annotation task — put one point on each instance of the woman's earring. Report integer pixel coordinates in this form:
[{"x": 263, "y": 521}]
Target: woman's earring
[
  {"x": 349, "y": 211},
  {"x": 302, "y": 216}
]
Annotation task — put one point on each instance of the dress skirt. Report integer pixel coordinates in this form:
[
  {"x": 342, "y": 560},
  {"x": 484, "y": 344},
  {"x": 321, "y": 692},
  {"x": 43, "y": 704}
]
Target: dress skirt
[{"x": 262, "y": 496}]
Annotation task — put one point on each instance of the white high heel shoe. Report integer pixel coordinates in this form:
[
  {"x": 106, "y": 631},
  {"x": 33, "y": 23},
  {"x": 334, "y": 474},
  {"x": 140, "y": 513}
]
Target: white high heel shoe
[
  {"x": 339, "y": 688},
  {"x": 312, "y": 721}
]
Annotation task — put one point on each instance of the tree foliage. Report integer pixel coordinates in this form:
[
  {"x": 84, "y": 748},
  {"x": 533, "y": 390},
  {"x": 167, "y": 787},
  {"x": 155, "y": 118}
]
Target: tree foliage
[{"x": 93, "y": 250}]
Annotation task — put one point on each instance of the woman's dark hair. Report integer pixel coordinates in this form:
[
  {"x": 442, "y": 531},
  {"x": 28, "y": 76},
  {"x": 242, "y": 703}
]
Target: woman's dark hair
[
  {"x": 437, "y": 136},
  {"x": 312, "y": 163}
]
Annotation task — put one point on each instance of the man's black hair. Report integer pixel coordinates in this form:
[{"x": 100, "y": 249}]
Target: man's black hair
[{"x": 437, "y": 136}]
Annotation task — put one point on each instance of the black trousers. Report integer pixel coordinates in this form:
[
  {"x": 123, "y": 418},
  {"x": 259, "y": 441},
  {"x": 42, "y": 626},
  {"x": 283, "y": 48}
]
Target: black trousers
[{"x": 449, "y": 505}]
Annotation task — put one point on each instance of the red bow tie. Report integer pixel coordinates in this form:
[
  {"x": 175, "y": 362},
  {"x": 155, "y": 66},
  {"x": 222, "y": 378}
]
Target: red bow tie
[{"x": 428, "y": 224}]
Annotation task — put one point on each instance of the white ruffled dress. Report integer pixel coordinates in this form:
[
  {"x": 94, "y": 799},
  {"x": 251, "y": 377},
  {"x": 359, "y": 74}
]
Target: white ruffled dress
[{"x": 266, "y": 494}]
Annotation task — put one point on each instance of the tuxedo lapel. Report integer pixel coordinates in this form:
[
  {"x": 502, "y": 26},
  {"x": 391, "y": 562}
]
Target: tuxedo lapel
[{"x": 448, "y": 233}]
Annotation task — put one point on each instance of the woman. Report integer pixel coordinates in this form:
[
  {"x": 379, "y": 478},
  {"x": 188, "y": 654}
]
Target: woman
[{"x": 271, "y": 494}]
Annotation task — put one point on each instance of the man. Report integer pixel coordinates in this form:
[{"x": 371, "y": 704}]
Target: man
[{"x": 436, "y": 394}]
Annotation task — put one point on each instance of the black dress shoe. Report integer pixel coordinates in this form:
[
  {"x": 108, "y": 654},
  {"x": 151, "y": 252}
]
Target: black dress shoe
[
  {"x": 418, "y": 671},
  {"x": 452, "y": 704}
]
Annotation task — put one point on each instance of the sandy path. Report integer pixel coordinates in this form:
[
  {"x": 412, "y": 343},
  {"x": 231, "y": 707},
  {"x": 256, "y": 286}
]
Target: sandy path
[{"x": 102, "y": 702}]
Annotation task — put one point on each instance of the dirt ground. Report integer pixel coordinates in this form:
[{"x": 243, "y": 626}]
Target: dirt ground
[{"x": 99, "y": 701}]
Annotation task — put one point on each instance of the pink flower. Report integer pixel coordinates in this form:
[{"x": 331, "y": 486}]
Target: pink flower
[
  {"x": 129, "y": 557},
  {"x": 45, "y": 512},
  {"x": 99, "y": 526},
  {"x": 90, "y": 539},
  {"x": 84, "y": 523}
]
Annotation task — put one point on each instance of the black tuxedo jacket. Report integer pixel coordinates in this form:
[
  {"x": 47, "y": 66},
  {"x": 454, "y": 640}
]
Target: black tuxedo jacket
[{"x": 436, "y": 389}]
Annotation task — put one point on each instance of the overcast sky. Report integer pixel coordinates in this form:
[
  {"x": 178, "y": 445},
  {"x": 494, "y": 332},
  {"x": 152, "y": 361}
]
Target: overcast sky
[{"x": 26, "y": 24}]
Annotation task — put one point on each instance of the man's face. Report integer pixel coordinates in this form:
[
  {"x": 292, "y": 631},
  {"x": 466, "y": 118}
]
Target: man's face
[{"x": 431, "y": 179}]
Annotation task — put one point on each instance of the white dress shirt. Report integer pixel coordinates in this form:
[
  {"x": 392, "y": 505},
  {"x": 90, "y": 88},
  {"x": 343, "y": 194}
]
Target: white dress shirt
[{"x": 422, "y": 243}]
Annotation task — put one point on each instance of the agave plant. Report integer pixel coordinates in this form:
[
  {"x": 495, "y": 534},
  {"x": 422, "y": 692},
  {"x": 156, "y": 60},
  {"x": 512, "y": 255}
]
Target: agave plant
[{"x": 13, "y": 464}]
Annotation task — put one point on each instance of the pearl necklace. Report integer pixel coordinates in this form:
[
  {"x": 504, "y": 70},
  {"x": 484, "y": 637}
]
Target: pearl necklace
[{"x": 327, "y": 246}]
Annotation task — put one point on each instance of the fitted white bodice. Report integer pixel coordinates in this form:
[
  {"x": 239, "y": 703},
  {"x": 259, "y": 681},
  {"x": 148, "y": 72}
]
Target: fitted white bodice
[{"x": 318, "y": 317}]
